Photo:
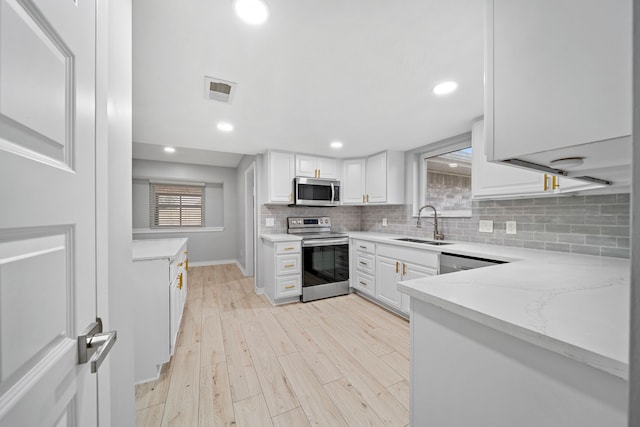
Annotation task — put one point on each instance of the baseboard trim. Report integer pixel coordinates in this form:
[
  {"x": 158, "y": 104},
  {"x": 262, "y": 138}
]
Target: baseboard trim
[{"x": 220, "y": 262}]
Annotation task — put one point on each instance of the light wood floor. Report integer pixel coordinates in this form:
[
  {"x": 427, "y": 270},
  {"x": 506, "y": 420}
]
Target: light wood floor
[{"x": 239, "y": 361}]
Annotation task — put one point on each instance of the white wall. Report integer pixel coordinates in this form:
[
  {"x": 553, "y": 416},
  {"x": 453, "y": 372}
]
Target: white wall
[{"x": 203, "y": 246}]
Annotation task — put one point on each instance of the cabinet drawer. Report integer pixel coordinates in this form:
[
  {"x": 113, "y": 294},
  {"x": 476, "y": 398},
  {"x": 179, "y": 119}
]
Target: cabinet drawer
[
  {"x": 288, "y": 286},
  {"x": 365, "y": 283},
  {"x": 364, "y": 246},
  {"x": 287, "y": 264},
  {"x": 365, "y": 262},
  {"x": 287, "y": 248}
]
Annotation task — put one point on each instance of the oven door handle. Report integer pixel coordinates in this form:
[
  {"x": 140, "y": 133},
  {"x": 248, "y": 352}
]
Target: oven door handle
[{"x": 325, "y": 242}]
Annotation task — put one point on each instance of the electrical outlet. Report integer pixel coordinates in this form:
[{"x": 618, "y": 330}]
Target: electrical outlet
[
  {"x": 485, "y": 226},
  {"x": 384, "y": 222},
  {"x": 511, "y": 227},
  {"x": 270, "y": 222}
]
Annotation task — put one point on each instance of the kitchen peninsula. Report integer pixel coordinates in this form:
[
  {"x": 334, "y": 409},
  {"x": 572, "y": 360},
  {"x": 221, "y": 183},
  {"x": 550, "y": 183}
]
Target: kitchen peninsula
[{"x": 541, "y": 340}]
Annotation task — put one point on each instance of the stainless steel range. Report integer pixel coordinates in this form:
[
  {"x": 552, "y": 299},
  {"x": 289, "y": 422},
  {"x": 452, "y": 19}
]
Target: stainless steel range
[{"x": 325, "y": 257}]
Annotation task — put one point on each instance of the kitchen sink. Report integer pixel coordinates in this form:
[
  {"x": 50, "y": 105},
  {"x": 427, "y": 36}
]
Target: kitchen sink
[{"x": 426, "y": 242}]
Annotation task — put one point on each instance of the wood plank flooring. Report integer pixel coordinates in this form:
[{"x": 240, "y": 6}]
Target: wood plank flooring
[{"x": 240, "y": 361}]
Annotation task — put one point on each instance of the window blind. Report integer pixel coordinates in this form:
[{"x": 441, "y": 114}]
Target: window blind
[{"x": 174, "y": 205}]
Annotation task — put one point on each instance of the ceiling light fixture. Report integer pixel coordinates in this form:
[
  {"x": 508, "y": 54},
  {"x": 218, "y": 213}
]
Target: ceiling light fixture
[
  {"x": 453, "y": 165},
  {"x": 169, "y": 150},
  {"x": 336, "y": 144},
  {"x": 254, "y": 12},
  {"x": 225, "y": 127},
  {"x": 445, "y": 88}
]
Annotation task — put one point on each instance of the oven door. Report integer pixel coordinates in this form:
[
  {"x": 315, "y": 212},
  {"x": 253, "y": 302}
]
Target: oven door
[{"x": 325, "y": 261}]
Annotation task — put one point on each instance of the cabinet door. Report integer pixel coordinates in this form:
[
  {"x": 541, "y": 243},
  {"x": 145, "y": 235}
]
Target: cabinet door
[
  {"x": 414, "y": 271},
  {"x": 489, "y": 180},
  {"x": 306, "y": 166},
  {"x": 281, "y": 169},
  {"x": 327, "y": 167},
  {"x": 353, "y": 182},
  {"x": 388, "y": 274},
  {"x": 376, "y": 178},
  {"x": 558, "y": 73}
]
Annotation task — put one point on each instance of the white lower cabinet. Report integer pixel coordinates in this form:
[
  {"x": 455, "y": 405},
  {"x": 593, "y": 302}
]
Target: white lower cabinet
[
  {"x": 394, "y": 264},
  {"x": 159, "y": 292},
  {"x": 282, "y": 270},
  {"x": 376, "y": 269}
]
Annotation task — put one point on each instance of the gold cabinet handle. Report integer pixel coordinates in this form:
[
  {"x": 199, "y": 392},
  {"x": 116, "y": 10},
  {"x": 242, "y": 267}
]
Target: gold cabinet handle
[
  {"x": 546, "y": 182},
  {"x": 290, "y": 286},
  {"x": 180, "y": 281},
  {"x": 404, "y": 269},
  {"x": 397, "y": 266},
  {"x": 363, "y": 283},
  {"x": 555, "y": 183},
  {"x": 180, "y": 264},
  {"x": 289, "y": 265},
  {"x": 186, "y": 264},
  {"x": 289, "y": 249},
  {"x": 291, "y": 197},
  {"x": 186, "y": 252},
  {"x": 367, "y": 198}
]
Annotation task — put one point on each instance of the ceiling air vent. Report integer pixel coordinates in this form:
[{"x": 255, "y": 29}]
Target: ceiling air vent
[{"x": 218, "y": 89}]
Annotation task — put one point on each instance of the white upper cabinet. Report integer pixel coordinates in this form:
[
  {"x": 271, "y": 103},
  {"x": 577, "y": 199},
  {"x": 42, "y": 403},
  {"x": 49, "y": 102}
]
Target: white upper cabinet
[
  {"x": 280, "y": 174},
  {"x": 558, "y": 83},
  {"x": 378, "y": 179},
  {"x": 316, "y": 167},
  {"x": 353, "y": 181},
  {"x": 491, "y": 180}
]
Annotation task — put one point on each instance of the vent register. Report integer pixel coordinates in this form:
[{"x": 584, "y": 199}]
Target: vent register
[{"x": 218, "y": 89}]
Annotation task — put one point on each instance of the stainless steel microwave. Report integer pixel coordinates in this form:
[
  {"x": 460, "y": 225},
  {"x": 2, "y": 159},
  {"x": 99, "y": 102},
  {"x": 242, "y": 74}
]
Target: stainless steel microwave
[{"x": 316, "y": 192}]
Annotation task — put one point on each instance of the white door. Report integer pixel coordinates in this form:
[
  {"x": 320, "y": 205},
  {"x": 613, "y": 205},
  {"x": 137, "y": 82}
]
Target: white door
[{"x": 47, "y": 211}]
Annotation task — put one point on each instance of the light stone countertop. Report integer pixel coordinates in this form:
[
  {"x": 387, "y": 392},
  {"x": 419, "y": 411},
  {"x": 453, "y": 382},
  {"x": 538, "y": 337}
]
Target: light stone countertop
[
  {"x": 280, "y": 237},
  {"x": 146, "y": 249},
  {"x": 575, "y": 305}
]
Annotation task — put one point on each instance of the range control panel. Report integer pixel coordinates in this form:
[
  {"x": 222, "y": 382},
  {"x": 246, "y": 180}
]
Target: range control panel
[{"x": 309, "y": 222}]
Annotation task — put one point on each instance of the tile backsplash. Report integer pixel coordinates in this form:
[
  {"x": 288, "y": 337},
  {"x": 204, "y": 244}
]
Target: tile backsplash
[{"x": 593, "y": 225}]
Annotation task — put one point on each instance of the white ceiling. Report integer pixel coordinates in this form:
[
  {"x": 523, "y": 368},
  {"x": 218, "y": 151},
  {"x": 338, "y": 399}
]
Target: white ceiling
[
  {"x": 186, "y": 155},
  {"x": 358, "y": 71}
]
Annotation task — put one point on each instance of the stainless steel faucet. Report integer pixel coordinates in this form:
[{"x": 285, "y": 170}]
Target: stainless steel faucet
[{"x": 436, "y": 235}]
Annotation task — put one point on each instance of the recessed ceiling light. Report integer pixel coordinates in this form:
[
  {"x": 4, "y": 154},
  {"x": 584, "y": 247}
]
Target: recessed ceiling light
[
  {"x": 225, "y": 127},
  {"x": 453, "y": 165},
  {"x": 336, "y": 144},
  {"x": 445, "y": 88},
  {"x": 254, "y": 12},
  {"x": 169, "y": 150}
]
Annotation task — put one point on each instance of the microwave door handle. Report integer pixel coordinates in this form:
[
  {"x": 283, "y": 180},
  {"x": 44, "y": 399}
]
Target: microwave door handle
[{"x": 333, "y": 194}]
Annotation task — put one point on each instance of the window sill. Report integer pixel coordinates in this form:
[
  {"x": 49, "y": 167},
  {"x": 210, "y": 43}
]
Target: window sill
[{"x": 177, "y": 230}]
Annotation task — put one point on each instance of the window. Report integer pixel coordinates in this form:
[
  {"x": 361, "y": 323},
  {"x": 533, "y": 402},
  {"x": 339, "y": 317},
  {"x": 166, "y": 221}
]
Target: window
[
  {"x": 448, "y": 181},
  {"x": 174, "y": 205},
  {"x": 442, "y": 177}
]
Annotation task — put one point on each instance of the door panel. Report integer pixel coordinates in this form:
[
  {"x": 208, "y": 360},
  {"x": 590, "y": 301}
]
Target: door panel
[{"x": 47, "y": 223}]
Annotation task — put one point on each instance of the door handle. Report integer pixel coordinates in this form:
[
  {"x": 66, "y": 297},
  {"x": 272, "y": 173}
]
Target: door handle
[{"x": 94, "y": 345}]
